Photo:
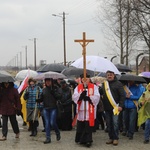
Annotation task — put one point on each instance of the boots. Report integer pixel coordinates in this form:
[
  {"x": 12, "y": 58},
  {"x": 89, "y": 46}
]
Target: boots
[
  {"x": 115, "y": 142},
  {"x": 48, "y": 140},
  {"x": 35, "y": 124},
  {"x": 58, "y": 137},
  {"x": 110, "y": 141},
  {"x": 31, "y": 128}
]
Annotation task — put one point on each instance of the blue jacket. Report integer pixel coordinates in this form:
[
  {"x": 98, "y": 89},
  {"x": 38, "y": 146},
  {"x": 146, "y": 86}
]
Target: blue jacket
[{"x": 137, "y": 91}]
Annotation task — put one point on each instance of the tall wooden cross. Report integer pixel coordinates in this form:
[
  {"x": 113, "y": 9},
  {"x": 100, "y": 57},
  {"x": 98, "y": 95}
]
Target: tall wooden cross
[{"x": 84, "y": 42}]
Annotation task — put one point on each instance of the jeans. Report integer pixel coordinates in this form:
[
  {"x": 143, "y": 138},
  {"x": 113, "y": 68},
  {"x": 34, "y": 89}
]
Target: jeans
[
  {"x": 13, "y": 122},
  {"x": 50, "y": 121},
  {"x": 112, "y": 124},
  {"x": 129, "y": 118},
  {"x": 147, "y": 129}
]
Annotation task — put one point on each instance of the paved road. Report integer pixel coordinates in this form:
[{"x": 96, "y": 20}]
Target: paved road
[{"x": 67, "y": 141}]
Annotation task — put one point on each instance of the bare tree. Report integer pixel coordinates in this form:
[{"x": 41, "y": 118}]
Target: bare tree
[
  {"x": 117, "y": 15},
  {"x": 141, "y": 15}
]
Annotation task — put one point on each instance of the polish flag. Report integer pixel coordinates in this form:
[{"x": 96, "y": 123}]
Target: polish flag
[{"x": 24, "y": 84}]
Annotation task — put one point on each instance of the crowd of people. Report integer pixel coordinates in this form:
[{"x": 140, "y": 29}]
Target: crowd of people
[{"x": 116, "y": 107}]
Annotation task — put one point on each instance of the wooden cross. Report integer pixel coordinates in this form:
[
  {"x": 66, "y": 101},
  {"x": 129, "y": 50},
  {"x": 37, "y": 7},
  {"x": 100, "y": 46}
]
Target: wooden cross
[{"x": 84, "y": 42}]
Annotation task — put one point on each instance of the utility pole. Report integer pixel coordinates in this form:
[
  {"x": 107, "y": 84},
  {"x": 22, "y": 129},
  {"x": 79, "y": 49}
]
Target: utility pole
[
  {"x": 20, "y": 60},
  {"x": 64, "y": 33},
  {"x": 26, "y": 56},
  {"x": 64, "y": 37},
  {"x": 17, "y": 62},
  {"x": 35, "y": 54}
]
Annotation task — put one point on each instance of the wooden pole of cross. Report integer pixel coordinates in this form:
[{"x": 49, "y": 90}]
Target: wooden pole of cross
[{"x": 84, "y": 42}]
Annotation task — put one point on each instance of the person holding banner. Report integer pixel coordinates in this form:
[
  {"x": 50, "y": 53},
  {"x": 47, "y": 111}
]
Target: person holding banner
[
  {"x": 113, "y": 97},
  {"x": 86, "y": 96}
]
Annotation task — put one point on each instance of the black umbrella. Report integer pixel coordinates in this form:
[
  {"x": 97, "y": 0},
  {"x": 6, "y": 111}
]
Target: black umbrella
[
  {"x": 123, "y": 68},
  {"x": 102, "y": 74},
  {"x": 131, "y": 77},
  {"x": 52, "y": 67},
  {"x": 73, "y": 72},
  {"x": 6, "y": 77}
]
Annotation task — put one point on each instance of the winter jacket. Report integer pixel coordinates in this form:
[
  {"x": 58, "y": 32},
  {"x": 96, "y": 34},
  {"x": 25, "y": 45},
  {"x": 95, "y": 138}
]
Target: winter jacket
[
  {"x": 49, "y": 97},
  {"x": 66, "y": 99},
  {"x": 9, "y": 100},
  {"x": 117, "y": 92},
  {"x": 136, "y": 94}
]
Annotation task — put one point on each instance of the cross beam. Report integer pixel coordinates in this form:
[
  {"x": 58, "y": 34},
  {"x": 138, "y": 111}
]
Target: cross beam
[{"x": 84, "y": 42}]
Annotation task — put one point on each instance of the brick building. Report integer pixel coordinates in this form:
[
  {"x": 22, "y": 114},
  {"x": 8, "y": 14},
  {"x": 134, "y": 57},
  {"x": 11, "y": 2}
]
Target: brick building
[{"x": 144, "y": 64}]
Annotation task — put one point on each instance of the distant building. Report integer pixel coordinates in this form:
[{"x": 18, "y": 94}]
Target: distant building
[
  {"x": 42, "y": 62},
  {"x": 144, "y": 64}
]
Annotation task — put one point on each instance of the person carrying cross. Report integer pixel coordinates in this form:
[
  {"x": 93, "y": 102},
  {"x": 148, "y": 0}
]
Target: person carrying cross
[{"x": 86, "y": 96}]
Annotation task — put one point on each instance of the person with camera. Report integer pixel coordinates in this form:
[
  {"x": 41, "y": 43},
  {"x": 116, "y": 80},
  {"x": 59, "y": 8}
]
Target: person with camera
[{"x": 86, "y": 96}]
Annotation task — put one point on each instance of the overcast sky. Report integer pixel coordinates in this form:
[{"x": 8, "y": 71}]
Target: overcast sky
[{"x": 22, "y": 20}]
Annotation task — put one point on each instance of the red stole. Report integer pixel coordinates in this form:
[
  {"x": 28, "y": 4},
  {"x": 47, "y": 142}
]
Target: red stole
[{"x": 91, "y": 107}]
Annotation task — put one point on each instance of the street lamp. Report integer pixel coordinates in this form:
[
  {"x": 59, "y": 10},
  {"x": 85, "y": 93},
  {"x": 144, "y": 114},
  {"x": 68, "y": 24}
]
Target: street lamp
[
  {"x": 137, "y": 57},
  {"x": 34, "y": 52},
  {"x": 25, "y": 55},
  {"x": 112, "y": 58},
  {"x": 64, "y": 34},
  {"x": 17, "y": 65},
  {"x": 20, "y": 60}
]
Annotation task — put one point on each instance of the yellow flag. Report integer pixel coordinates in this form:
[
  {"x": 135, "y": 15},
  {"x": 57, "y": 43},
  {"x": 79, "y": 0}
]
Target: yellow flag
[{"x": 24, "y": 109}]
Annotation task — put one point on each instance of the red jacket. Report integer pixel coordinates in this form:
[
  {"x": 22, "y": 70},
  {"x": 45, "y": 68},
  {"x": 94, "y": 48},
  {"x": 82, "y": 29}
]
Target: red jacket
[{"x": 9, "y": 97}]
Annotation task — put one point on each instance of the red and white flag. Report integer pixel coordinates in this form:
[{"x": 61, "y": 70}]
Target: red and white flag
[{"x": 24, "y": 83}]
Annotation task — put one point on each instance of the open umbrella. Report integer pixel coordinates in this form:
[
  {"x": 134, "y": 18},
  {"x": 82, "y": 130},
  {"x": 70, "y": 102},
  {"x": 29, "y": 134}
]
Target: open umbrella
[
  {"x": 131, "y": 77},
  {"x": 123, "y": 68},
  {"x": 55, "y": 67},
  {"x": 96, "y": 64},
  {"x": 146, "y": 76},
  {"x": 73, "y": 72},
  {"x": 6, "y": 77},
  {"x": 20, "y": 76},
  {"x": 50, "y": 74}
]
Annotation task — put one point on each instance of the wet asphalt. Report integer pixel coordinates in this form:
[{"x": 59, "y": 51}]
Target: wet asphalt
[{"x": 25, "y": 142}]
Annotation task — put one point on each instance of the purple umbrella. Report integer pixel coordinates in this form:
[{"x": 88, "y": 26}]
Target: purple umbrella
[{"x": 145, "y": 74}]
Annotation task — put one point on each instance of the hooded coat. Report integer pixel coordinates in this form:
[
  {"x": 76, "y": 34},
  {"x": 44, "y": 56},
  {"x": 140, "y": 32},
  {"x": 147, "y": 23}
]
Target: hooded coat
[
  {"x": 9, "y": 100},
  {"x": 144, "y": 111}
]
